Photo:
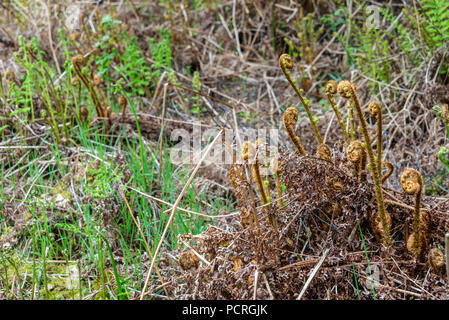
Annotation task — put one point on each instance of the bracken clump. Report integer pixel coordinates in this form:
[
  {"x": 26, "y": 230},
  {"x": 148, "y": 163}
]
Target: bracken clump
[{"x": 329, "y": 207}]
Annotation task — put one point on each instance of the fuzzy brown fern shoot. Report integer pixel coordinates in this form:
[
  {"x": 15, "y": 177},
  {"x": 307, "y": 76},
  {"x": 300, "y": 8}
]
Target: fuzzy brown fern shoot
[
  {"x": 78, "y": 62},
  {"x": 109, "y": 115},
  {"x": 285, "y": 62},
  {"x": 412, "y": 184},
  {"x": 75, "y": 82},
  {"x": 97, "y": 84},
  {"x": 290, "y": 119},
  {"x": 83, "y": 114},
  {"x": 376, "y": 111},
  {"x": 331, "y": 90},
  {"x": 255, "y": 170},
  {"x": 74, "y": 38},
  {"x": 86, "y": 32},
  {"x": 347, "y": 91},
  {"x": 357, "y": 156},
  {"x": 123, "y": 103},
  {"x": 352, "y": 132}
]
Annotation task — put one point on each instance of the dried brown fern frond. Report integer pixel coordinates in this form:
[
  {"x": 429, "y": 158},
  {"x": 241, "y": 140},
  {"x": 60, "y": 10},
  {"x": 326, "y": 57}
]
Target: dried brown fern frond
[
  {"x": 357, "y": 156},
  {"x": 324, "y": 152},
  {"x": 323, "y": 206}
]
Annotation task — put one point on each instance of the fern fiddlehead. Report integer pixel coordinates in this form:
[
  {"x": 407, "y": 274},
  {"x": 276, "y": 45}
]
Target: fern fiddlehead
[
  {"x": 331, "y": 90},
  {"x": 376, "y": 111},
  {"x": 286, "y": 63},
  {"x": 290, "y": 119},
  {"x": 357, "y": 155},
  {"x": 412, "y": 184}
]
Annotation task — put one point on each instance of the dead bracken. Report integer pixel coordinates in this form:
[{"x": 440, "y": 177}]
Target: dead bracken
[{"x": 334, "y": 214}]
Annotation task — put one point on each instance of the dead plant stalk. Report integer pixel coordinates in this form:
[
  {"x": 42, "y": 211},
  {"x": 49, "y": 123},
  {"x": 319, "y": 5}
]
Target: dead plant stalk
[{"x": 172, "y": 214}]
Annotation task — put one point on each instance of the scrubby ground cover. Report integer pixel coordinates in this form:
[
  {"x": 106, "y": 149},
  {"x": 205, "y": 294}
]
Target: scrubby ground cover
[{"x": 92, "y": 100}]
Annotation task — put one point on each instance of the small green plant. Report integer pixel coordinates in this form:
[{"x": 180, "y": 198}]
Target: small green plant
[
  {"x": 39, "y": 80},
  {"x": 196, "y": 107},
  {"x": 443, "y": 156},
  {"x": 435, "y": 22},
  {"x": 161, "y": 54}
]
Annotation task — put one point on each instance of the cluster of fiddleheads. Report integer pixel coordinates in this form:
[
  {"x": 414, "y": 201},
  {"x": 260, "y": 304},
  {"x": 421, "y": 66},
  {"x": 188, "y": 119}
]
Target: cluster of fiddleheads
[
  {"x": 347, "y": 91},
  {"x": 78, "y": 64},
  {"x": 358, "y": 153}
]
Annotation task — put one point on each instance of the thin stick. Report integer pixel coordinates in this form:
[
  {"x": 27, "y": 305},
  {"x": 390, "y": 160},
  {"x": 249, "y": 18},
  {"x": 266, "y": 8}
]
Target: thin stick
[
  {"x": 156, "y": 92},
  {"x": 256, "y": 279},
  {"x": 203, "y": 94},
  {"x": 144, "y": 239},
  {"x": 312, "y": 275},
  {"x": 197, "y": 254},
  {"x": 50, "y": 39},
  {"x": 300, "y": 264},
  {"x": 161, "y": 135},
  {"x": 234, "y": 25},
  {"x": 172, "y": 214},
  {"x": 184, "y": 210},
  {"x": 267, "y": 286}
]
